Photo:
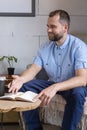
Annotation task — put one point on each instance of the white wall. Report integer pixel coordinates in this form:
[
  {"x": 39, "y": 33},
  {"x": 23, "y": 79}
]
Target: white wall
[{"x": 21, "y": 36}]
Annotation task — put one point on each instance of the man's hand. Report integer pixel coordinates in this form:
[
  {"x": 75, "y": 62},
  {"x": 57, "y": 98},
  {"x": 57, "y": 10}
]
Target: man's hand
[
  {"x": 16, "y": 84},
  {"x": 46, "y": 95}
]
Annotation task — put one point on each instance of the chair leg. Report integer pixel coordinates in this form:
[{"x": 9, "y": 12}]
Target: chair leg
[{"x": 22, "y": 121}]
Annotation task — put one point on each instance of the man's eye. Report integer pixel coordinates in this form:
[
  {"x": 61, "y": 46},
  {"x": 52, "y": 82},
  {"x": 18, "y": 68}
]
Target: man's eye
[{"x": 53, "y": 27}]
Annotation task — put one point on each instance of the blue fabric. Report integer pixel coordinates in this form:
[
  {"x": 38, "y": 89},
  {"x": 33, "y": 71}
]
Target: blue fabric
[
  {"x": 60, "y": 62},
  {"x": 75, "y": 99}
]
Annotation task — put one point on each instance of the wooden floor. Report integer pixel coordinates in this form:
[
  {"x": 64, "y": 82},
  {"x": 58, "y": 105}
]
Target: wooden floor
[{"x": 16, "y": 127}]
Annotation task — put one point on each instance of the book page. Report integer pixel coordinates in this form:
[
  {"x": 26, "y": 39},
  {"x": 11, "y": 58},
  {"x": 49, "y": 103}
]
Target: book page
[
  {"x": 11, "y": 95},
  {"x": 27, "y": 96}
]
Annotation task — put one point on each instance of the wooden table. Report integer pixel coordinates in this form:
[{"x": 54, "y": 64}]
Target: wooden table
[{"x": 18, "y": 106}]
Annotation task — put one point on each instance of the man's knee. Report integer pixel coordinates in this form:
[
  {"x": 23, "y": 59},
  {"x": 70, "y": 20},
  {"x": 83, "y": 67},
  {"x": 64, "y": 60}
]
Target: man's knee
[
  {"x": 80, "y": 91},
  {"x": 77, "y": 99}
]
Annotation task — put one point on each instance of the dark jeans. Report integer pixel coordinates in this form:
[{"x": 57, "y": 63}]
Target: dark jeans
[{"x": 75, "y": 99}]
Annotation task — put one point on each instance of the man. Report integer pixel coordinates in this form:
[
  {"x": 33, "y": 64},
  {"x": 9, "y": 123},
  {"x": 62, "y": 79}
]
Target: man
[{"x": 65, "y": 60}]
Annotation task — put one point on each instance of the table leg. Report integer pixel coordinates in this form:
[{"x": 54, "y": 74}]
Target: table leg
[
  {"x": 21, "y": 121},
  {"x": 1, "y": 121}
]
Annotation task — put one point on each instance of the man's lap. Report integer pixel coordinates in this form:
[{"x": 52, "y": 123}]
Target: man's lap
[{"x": 37, "y": 86}]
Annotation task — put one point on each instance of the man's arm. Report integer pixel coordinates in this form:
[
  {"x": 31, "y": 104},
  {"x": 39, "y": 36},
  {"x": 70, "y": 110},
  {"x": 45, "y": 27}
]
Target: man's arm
[
  {"x": 80, "y": 79},
  {"x": 30, "y": 73},
  {"x": 26, "y": 76}
]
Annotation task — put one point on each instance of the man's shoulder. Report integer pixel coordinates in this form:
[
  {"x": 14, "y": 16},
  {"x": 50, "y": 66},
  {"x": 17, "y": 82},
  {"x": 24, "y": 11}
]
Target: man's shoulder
[
  {"x": 77, "y": 41},
  {"x": 73, "y": 37}
]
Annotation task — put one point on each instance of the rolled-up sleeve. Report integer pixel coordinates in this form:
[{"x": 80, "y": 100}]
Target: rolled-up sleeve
[
  {"x": 37, "y": 60},
  {"x": 81, "y": 58},
  {"x": 81, "y": 64}
]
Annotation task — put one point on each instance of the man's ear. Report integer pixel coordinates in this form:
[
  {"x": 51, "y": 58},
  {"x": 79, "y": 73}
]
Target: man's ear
[{"x": 66, "y": 28}]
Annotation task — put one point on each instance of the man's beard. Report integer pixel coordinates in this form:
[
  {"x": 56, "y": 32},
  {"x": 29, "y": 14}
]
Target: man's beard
[{"x": 55, "y": 37}]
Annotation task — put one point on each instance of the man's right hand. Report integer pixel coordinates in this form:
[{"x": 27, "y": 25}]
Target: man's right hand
[{"x": 16, "y": 83}]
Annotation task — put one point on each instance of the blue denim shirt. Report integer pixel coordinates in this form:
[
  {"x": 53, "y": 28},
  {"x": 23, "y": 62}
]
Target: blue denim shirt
[{"x": 60, "y": 62}]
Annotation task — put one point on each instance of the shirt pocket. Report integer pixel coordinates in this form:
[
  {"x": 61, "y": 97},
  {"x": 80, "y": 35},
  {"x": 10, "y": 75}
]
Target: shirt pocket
[
  {"x": 50, "y": 68},
  {"x": 68, "y": 71}
]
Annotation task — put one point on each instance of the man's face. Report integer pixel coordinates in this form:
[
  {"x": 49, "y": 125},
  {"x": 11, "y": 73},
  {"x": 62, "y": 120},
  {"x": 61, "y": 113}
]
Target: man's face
[{"x": 55, "y": 28}]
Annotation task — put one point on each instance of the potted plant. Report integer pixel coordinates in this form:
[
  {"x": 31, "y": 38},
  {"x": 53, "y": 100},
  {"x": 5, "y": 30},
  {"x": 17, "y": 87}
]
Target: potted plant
[{"x": 10, "y": 60}]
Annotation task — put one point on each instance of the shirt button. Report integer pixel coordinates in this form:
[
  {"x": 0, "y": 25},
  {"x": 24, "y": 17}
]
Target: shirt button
[
  {"x": 68, "y": 64},
  {"x": 59, "y": 54}
]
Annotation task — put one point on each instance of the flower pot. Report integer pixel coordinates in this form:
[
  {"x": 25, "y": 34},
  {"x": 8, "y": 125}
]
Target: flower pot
[{"x": 11, "y": 71}]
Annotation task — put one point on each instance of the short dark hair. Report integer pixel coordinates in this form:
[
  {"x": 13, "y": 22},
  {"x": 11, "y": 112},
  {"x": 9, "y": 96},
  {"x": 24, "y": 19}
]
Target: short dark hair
[{"x": 64, "y": 16}]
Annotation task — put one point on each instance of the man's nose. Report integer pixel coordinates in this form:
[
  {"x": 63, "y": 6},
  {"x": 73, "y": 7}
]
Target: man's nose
[{"x": 49, "y": 30}]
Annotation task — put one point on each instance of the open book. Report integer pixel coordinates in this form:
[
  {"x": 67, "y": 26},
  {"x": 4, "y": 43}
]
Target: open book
[{"x": 23, "y": 96}]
